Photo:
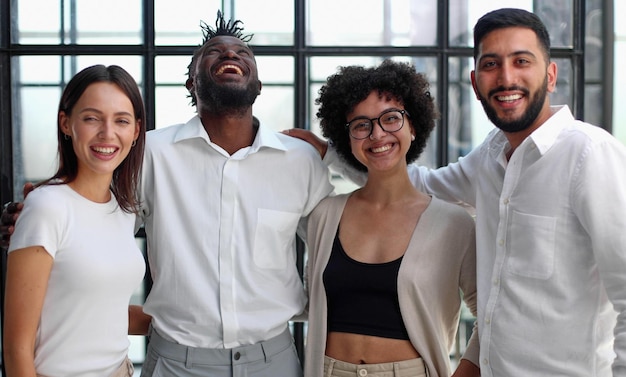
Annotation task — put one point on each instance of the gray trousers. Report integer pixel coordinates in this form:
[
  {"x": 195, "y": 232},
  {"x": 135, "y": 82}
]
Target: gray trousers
[{"x": 271, "y": 358}]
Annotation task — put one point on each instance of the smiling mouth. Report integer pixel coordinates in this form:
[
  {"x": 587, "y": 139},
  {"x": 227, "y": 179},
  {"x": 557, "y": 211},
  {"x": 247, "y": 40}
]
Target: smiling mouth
[
  {"x": 229, "y": 68},
  {"x": 108, "y": 150},
  {"x": 384, "y": 148},
  {"x": 509, "y": 98}
]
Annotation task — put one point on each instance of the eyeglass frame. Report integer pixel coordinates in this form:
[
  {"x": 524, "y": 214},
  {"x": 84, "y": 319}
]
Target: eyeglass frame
[{"x": 377, "y": 119}]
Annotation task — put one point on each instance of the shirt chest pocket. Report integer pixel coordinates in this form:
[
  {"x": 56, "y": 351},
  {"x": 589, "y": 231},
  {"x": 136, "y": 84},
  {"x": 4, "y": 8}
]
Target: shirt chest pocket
[
  {"x": 532, "y": 243},
  {"x": 273, "y": 239}
]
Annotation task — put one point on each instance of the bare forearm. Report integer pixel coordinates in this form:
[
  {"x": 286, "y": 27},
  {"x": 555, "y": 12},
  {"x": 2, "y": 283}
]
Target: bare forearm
[
  {"x": 138, "y": 321},
  {"x": 466, "y": 369},
  {"x": 19, "y": 362}
]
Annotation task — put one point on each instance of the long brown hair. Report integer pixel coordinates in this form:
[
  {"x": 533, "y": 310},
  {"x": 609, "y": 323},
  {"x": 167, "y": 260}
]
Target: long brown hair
[{"x": 126, "y": 175}]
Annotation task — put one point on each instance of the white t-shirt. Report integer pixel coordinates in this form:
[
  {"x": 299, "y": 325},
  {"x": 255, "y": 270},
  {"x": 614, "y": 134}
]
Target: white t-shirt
[{"x": 83, "y": 330}]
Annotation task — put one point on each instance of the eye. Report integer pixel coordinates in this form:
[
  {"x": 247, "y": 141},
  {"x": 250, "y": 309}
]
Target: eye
[
  {"x": 390, "y": 117},
  {"x": 360, "y": 124},
  {"x": 123, "y": 121},
  {"x": 245, "y": 52},
  {"x": 489, "y": 64}
]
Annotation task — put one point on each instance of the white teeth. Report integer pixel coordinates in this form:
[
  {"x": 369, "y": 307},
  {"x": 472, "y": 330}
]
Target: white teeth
[
  {"x": 229, "y": 66},
  {"x": 381, "y": 149},
  {"x": 109, "y": 150},
  {"x": 511, "y": 97}
]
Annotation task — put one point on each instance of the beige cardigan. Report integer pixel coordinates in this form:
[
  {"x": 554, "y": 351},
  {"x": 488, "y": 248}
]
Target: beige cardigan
[{"x": 440, "y": 260}]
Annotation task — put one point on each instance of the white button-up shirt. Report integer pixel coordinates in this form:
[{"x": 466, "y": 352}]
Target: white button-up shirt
[
  {"x": 551, "y": 248},
  {"x": 221, "y": 230}
]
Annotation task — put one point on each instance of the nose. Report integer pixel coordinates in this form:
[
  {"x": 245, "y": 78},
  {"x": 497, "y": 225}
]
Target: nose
[
  {"x": 230, "y": 54},
  {"x": 377, "y": 130},
  {"x": 106, "y": 129},
  {"x": 506, "y": 77}
]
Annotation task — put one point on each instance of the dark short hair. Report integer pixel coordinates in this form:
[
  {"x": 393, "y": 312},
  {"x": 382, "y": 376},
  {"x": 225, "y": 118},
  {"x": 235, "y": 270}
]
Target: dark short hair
[
  {"x": 230, "y": 28},
  {"x": 126, "y": 175},
  {"x": 511, "y": 17},
  {"x": 353, "y": 84}
]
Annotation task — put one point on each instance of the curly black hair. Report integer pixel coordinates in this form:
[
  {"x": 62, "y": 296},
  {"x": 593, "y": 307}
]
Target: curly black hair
[
  {"x": 230, "y": 28},
  {"x": 353, "y": 84}
]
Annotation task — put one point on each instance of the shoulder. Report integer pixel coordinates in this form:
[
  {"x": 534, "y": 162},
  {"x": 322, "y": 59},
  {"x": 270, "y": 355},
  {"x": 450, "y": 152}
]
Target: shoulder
[
  {"x": 297, "y": 147},
  {"x": 162, "y": 135},
  {"x": 47, "y": 198},
  {"x": 329, "y": 205},
  {"x": 451, "y": 217}
]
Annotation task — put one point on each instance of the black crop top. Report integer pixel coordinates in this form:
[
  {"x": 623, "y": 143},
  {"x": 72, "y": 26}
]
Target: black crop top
[{"x": 363, "y": 297}]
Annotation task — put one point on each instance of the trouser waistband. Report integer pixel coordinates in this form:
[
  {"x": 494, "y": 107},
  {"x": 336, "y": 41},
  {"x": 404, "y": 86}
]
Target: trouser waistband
[{"x": 214, "y": 356}]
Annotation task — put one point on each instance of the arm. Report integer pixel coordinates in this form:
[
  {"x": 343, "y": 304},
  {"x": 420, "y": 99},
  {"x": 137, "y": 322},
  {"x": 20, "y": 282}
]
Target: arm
[
  {"x": 28, "y": 271},
  {"x": 138, "y": 321},
  {"x": 320, "y": 144},
  {"x": 600, "y": 206},
  {"x": 9, "y": 216},
  {"x": 466, "y": 369}
]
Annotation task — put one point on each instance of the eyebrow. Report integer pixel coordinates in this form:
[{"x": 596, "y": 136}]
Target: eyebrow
[
  {"x": 514, "y": 53},
  {"x": 87, "y": 109}
]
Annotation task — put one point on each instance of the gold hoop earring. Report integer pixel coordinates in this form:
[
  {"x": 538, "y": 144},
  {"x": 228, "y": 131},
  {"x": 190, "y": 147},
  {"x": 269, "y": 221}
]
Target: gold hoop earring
[
  {"x": 133, "y": 143},
  {"x": 66, "y": 136}
]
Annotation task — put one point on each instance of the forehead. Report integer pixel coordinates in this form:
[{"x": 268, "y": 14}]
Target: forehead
[
  {"x": 226, "y": 40},
  {"x": 375, "y": 103},
  {"x": 510, "y": 40}
]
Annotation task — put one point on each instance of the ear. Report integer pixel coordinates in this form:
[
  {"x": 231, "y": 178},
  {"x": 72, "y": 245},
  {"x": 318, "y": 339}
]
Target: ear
[
  {"x": 260, "y": 86},
  {"x": 189, "y": 84},
  {"x": 137, "y": 129},
  {"x": 552, "y": 72},
  {"x": 64, "y": 125},
  {"x": 473, "y": 79}
]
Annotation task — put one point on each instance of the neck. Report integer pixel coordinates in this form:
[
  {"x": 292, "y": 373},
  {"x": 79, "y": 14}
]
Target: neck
[
  {"x": 231, "y": 132},
  {"x": 385, "y": 188},
  {"x": 93, "y": 187}
]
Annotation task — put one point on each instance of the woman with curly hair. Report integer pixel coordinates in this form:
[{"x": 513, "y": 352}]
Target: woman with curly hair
[{"x": 387, "y": 263}]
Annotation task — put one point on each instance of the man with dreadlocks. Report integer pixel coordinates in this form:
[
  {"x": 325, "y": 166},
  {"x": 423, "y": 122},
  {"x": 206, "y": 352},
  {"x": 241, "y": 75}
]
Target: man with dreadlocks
[{"x": 222, "y": 199}]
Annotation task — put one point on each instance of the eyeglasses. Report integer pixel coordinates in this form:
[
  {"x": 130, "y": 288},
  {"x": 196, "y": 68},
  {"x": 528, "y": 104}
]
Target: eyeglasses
[{"x": 390, "y": 120}]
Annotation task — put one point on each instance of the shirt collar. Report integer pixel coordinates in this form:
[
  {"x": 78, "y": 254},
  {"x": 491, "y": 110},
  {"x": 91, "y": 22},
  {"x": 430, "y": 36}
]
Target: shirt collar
[
  {"x": 543, "y": 137},
  {"x": 265, "y": 137}
]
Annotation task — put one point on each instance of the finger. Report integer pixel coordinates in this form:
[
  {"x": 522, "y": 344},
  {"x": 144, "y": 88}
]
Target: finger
[
  {"x": 6, "y": 232},
  {"x": 12, "y": 207},
  {"x": 28, "y": 187}
]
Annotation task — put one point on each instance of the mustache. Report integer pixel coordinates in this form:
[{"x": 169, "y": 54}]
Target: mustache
[{"x": 492, "y": 92}]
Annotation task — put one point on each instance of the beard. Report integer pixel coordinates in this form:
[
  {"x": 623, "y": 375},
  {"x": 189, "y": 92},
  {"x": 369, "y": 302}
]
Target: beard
[
  {"x": 225, "y": 98},
  {"x": 527, "y": 118}
]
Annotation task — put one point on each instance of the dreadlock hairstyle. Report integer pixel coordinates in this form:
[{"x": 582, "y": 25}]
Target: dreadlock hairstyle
[{"x": 230, "y": 28}]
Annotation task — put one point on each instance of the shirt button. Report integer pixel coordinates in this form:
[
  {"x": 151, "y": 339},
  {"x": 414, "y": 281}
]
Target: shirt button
[
  {"x": 362, "y": 372},
  {"x": 237, "y": 356},
  {"x": 501, "y": 242},
  {"x": 487, "y": 321},
  {"x": 485, "y": 361},
  {"x": 506, "y": 201}
]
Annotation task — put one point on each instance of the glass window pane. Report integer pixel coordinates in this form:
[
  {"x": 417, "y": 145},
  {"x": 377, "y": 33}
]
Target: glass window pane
[
  {"x": 275, "y": 69},
  {"x": 372, "y": 22},
  {"x": 275, "y": 107},
  {"x": 34, "y": 132},
  {"x": 39, "y": 22},
  {"x": 271, "y": 24},
  {"x": 178, "y": 22},
  {"x": 172, "y": 102},
  {"x": 467, "y": 123}
]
